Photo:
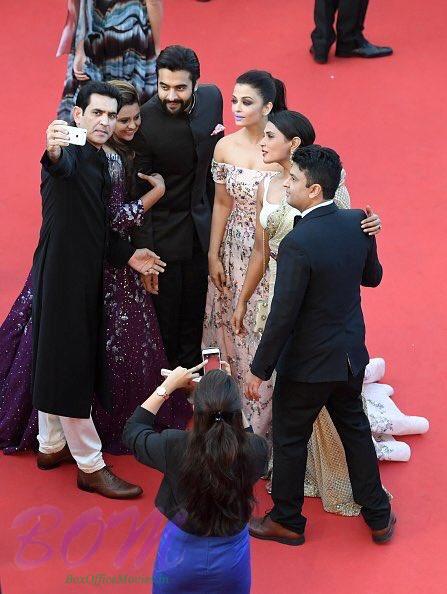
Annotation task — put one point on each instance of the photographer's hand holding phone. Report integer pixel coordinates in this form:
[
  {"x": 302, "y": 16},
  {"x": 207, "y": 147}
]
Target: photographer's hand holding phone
[
  {"x": 176, "y": 379},
  {"x": 196, "y": 376},
  {"x": 181, "y": 377}
]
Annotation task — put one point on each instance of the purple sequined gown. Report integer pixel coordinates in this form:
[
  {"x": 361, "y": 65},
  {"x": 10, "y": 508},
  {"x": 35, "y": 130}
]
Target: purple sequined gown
[{"x": 134, "y": 349}]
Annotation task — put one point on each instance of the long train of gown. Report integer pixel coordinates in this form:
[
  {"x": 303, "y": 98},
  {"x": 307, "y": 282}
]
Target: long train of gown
[{"x": 134, "y": 348}]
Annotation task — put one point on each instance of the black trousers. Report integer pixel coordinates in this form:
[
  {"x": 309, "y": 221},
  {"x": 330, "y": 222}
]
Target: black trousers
[
  {"x": 295, "y": 408},
  {"x": 180, "y": 307},
  {"x": 350, "y": 24}
]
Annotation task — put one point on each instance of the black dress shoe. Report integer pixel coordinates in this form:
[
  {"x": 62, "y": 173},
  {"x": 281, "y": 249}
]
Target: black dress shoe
[
  {"x": 386, "y": 534},
  {"x": 319, "y": 57},
  {"x": 365, "y": 50}
]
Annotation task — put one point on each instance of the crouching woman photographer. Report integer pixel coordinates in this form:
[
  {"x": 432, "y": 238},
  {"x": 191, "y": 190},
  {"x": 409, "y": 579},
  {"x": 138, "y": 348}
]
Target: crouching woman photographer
[{"x": 207, "y": 489}]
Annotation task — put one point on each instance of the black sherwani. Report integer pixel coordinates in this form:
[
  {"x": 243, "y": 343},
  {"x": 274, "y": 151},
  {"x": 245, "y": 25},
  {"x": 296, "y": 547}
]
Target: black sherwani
[
  {"x": 177, "y": 227},
  {"x": 68, "y": 346}
]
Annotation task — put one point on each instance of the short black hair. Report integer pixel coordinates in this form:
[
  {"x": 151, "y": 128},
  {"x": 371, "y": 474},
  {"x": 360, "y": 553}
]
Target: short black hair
[
  {"x": 100, "y": 88},
  {"x": 321, "y": 166},
  {"x": 178, "y": 57}
]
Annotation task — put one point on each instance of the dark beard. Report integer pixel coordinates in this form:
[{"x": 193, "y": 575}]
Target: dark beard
[{"x": 184, "y": 106}]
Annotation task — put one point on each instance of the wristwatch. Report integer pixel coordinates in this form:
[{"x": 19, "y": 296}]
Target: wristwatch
[{"x": 161, "y": 391}]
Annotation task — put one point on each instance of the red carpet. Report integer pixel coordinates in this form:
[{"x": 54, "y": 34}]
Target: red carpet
[{"x": 387, "y": 119}]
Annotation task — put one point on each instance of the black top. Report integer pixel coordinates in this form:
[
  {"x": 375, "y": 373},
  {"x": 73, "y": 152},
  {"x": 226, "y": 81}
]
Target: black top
[
  {"x": 164, "y": 452},
  {"x": 68, "y": 354},
  {"x": 180, "y": 148},
  {"x": 315, "y": 331}
]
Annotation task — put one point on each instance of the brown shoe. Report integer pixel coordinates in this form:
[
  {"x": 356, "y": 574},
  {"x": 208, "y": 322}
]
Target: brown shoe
[
  {"x": 107, "y": 484},
  {"x": 49, "y": 461},
  {"x": 386, "y": 534},
  {"x": 266, "y": 529}
]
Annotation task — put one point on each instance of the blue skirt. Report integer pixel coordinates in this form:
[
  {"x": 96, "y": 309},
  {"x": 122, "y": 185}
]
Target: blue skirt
[{"x": 190, "y": 564}]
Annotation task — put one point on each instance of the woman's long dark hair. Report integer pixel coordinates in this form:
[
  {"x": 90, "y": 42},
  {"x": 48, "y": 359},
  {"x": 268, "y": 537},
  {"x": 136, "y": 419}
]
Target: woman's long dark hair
[
  {"x": 216, "y": 476},
  {"x": 292, "y": 124},
  {"x": 129, "y": 96},
  {"x": 272, "y": 90}
]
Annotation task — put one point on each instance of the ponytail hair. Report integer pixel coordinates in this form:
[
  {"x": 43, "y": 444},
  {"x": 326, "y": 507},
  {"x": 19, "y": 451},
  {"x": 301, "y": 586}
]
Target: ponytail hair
[
  {"x": 216, "y": 478},
  {"x": 293, "y": 124},
  {"x": 272, "y": 90}
]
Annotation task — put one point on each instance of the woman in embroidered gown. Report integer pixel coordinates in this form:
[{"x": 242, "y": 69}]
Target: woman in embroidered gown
[
  {"x": 326, "y": 473},
  {"x": 134, "y": 348},
  {"x": 238, "y": 170},
  {"x": 110, "y": 39}
]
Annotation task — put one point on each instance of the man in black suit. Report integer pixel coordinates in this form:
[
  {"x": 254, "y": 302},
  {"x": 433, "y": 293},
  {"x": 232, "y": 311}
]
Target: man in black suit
[
  {"x": 315, "y": 338},
  {"x": 350, "y": 24},
  {"x": 180, "y": 128}
]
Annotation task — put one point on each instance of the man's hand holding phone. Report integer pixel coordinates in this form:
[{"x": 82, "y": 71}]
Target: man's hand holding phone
[
  {"x": 57, "y": 137},
  {"x": 60, "y": 134}
]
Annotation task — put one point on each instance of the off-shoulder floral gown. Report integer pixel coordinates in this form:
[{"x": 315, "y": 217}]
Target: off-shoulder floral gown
[{"x": 242, "y": 185}]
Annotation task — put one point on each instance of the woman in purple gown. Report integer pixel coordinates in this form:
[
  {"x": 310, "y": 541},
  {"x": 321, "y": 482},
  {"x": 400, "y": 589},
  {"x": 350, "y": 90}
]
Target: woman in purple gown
[{"x": 134, "y": 348}]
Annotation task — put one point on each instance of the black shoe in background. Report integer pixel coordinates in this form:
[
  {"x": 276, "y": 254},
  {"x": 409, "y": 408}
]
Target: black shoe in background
[
  {"x": 365, "y": 50},
  {"x": 319, "y": 56}
]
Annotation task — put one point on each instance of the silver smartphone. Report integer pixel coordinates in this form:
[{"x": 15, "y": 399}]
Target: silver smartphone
[{"x": 77, "y": 135}]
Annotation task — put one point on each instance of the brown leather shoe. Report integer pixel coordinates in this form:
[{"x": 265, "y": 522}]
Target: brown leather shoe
[
  {"x": 107, "y": 484},
  {"x": 266, "y": 529},
  {"x": 49, "y": 461},
  {"x": 386, "y": 534}
]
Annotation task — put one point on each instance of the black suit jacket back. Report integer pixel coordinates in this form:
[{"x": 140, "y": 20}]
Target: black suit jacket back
[
  {"x": 180, "y": 148},
  {"x": 315, "y": 330}
]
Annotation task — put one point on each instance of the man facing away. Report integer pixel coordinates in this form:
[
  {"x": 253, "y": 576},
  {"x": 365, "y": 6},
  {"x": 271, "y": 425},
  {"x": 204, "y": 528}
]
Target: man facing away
[
  {"x": 315, "y": 338},
  {"x": 180, "y": 128},
  {"x": 68, "y": 344}
]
